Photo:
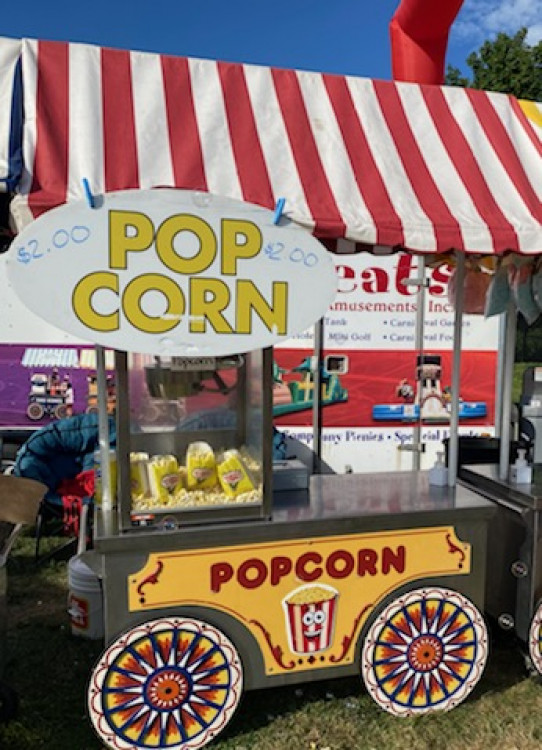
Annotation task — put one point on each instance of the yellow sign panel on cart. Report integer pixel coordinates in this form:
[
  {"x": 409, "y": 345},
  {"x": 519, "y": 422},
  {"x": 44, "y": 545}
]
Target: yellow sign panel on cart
[{"x": 306, "y": 600}]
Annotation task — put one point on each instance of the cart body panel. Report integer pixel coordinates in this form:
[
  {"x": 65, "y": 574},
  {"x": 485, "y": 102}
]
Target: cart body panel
[
  {"x": 296, "y": 594},
  {"x": 515, "y": 561}
]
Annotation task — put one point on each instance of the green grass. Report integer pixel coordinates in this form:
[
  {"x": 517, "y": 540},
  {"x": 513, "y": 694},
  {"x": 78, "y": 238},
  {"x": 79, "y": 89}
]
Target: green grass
[{"x": 49, "y": 668}]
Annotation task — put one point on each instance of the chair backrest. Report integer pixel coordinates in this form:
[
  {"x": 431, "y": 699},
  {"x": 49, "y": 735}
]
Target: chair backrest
[
  {"x": 60, "y": 450},
  {"x": 20, "y": 498}
]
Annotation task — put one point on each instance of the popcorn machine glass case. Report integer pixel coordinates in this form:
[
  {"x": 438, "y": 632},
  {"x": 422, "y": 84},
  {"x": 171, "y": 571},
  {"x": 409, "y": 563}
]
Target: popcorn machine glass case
[{"x": 194, "y": 439}]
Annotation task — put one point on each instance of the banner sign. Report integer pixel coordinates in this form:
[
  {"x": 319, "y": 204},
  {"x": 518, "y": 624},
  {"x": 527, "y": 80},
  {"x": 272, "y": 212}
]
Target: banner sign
[{"x": 375, "y": 384}]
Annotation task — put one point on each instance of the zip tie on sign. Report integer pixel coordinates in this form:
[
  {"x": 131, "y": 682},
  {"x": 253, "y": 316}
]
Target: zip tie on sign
[
  {"x": 279, "y": 208},
  {"x": 89, "y": 196}
]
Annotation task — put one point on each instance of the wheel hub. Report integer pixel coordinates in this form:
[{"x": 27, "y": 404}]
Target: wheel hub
[
  {"x": 425, "y": 653},
  {"x": 167, "y": 689}
]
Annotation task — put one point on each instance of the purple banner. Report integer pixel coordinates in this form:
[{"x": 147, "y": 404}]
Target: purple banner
[{"x": 41, "y": 383}]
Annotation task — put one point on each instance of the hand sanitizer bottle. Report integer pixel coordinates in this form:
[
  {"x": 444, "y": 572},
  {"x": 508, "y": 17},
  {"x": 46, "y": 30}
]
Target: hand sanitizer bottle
[
  {"x": 520, "y": 471},
  {"x": 438, "y": 474}
]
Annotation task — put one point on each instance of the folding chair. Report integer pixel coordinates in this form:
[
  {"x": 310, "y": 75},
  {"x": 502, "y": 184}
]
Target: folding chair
[{"x": 61, "y": 456}]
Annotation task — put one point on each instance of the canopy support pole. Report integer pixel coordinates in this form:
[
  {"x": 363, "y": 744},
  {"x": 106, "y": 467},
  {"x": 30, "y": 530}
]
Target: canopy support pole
[
  {"x": 419, "y": 345},
  {"x": 453, "y": 445},
  {"x": 316, "y": 366},
  {"x": 420, "y": 283},
  {"x": 507, "y": 383},
  {"x": 499, "y": 384},
  {"x": 103, "y": 430}
]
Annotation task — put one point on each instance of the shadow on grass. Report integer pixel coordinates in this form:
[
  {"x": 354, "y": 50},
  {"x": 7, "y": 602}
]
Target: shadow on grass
[
  {"x": 343, "y": 697},
  {"x": 46, "y": 665}
]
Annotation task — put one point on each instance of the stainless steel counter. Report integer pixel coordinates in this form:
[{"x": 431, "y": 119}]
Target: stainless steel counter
[
  {"x": 334, "y": 502},
  {"x": 485, "y": 477}
]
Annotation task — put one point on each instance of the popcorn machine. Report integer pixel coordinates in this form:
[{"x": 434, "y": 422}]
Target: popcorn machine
[{"x": 193, "y": 438}]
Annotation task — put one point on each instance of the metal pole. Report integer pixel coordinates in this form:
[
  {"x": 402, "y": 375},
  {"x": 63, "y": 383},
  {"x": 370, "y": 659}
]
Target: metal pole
[
  {"x": 501, "y": 365},
  {"x": 103, "y": 431},
  {"x": 419, "y": 344},
  {"x": 506, "y": 398},
  {"x": 453, "y": 446},
  {"x": 316, "y": 366}
]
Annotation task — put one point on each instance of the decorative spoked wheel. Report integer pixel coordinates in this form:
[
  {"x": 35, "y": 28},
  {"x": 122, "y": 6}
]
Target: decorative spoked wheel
[
  {"x": 425, "y": 652},
  {"x": 535, "y": 639},
  {"x": 170, "y": 683},
  {"x": 61, "y": 411},
  {"x": 35, "y": 410}
]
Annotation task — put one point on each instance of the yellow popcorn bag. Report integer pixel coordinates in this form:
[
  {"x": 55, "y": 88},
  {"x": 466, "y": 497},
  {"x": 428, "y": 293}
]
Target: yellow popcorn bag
[
  {"x": 233, "y": 475},
  {"x": 139, "y": 474},
  {"x": 165, "y": 478},
  {"x": 200, "y": 466},
  {"x": 98, "y": 481}
]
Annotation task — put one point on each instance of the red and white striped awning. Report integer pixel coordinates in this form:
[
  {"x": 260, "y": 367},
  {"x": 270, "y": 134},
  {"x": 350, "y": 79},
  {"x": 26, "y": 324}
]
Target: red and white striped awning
[
  {"x": 10, "y": 113},
  {"x": 426, "y": 168}
]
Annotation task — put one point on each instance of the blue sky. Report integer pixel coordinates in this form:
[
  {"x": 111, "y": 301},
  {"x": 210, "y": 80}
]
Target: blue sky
[{"x": 336, "y": 36}]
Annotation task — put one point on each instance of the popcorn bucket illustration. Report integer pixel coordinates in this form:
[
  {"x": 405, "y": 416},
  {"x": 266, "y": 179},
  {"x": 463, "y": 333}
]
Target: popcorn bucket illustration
[{"x": 310, "y": 617}]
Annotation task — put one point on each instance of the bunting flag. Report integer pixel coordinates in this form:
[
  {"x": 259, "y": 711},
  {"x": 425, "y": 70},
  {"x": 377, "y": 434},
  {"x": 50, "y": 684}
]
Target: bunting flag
[
  {"x": 426, "y": 168},
  {"x": 10, "y": 113}
]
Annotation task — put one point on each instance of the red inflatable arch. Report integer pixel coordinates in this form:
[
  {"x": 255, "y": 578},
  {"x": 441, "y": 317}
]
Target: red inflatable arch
[{"x": 419, "y": 37}]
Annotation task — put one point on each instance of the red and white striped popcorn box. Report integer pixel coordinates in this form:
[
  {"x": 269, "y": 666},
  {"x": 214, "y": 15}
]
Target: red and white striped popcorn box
[{"x": 310, "y": 612}]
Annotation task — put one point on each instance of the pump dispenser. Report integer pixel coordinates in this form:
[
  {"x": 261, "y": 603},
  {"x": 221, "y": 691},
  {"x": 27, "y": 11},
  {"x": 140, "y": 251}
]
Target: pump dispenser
[
  {"x": 520, "y": 471},
  {"x": 438, "y": 474}
]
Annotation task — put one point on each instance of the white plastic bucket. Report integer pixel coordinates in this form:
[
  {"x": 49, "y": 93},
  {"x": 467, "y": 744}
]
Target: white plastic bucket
[{"x": 85, "y": 600}]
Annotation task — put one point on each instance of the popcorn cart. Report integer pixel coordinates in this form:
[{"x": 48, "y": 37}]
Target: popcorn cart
[
  {"x": 214, "y": 583},
  {"x": 212, "y": 587},
  {"x": 221, "y": 571}
]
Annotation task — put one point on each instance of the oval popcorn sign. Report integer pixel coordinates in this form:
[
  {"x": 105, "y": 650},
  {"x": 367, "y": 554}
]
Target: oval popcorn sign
[{"x": 172, "y": 272}]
